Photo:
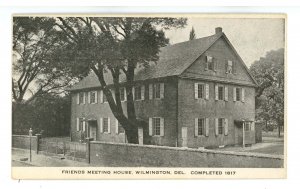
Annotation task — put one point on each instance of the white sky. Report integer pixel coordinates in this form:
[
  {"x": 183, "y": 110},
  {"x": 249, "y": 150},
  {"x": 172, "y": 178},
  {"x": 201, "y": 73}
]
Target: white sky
[{"x": 251, "y": 37}]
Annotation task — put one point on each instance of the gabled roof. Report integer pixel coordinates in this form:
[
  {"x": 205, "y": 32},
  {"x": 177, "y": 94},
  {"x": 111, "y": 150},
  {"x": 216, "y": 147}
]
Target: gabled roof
[{"x": 173, "y": 61}]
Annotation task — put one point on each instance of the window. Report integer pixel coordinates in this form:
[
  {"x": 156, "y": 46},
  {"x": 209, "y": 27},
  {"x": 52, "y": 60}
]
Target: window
[
  {"x": 93, "y": 97},
  {"x": 238, "y": 94},
  {"x": 120, "y": 128},
  {"x": 200, "y": 90},
  {"x": 209, "y": 63},
  {"x": 122, "y": 94},
  {"x": 220, "y": 125},
  {"x": 201, "y": 126},
  {"x": 104, "y": 98},
  {"x": 220, "y": 92},
  {"x": 138, "y": 93},
  {"x": 105, "y": 125},
  {"x": 247, "y": 126},
  {"x": 229, "y": 66},
  {"x": 156, "y": 124},
  {"x": 81, "y": 98},
  {"x": 156, "y": 90}
]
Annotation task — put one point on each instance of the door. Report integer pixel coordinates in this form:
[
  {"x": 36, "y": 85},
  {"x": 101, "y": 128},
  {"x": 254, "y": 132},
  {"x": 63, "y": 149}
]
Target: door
[
  {"x": 184, "y": 136},
  {"x": 93, "y": 130}
]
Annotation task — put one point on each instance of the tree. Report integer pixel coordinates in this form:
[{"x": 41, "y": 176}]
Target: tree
[
  {"x": 115, "y": 46},
  {"x": 48, "y": 114},
  {"x": 192, "y": 34},
  {"x": 269, "y": 99},
  {"x": 35, "y": 41}
]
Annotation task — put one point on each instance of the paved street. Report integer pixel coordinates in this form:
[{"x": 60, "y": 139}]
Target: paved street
[{"x": 41, "y": 160}]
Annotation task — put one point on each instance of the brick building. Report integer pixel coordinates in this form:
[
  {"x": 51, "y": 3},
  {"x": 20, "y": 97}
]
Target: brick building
[{"x": 199, "y": 94}]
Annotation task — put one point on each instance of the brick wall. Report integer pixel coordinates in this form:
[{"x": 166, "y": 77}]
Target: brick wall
[
  {"x": 191, "y": 108},
  {"x": 165, "y": 108},
  {"x": 130, "y": 155}
]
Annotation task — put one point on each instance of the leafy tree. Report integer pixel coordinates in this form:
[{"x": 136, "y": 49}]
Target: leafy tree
[
  {"x": 269, "y": 73},
  {"x": 48, "y": 114},
  {"x": 35, "y": 41},
  {"x": 192, "y": 34},
  {"x": 115, "y": 46}
]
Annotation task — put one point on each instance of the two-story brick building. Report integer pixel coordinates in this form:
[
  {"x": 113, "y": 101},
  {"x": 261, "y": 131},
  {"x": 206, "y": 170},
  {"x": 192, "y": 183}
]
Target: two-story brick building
[{"x": 199, "y": 94}]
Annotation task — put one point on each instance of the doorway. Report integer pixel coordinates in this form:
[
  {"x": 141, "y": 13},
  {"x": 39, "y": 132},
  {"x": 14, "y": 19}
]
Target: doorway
[{"x": 92, "y": 125}]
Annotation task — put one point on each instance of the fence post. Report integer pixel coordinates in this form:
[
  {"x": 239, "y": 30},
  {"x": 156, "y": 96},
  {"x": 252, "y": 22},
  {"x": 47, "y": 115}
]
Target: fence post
[
  {"x": 38, "y": 137},
  {"x": 87, "y": 153}
]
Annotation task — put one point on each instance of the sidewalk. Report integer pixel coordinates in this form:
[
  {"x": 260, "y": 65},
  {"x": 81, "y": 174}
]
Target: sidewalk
[{"x": 41, "y": 160}]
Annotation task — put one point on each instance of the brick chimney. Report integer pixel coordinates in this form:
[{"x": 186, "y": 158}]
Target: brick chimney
[{"x": 218, "y": 30}]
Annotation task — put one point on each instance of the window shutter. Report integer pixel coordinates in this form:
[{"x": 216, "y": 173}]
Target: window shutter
[
  {"x": 214, "y": 64},
  {"x": 108, "y": 122},
  {"x": 253, "y": 126},
  {"x": 226, "y": 127},
  {"x": 206, "y": 91},
  {"x": 216, "y": 126},
  {"x": 162, "y": 90},
  {"x": 117, "y": 126},
  {"x": 101, "y": 125},
  {"x": 233, "y": 67},
  {"x": 143, "y": 92},
  {"x": 234, "y": 93},
  {"x": 196, "y": 90},
  {"x": 101, "y": 96},
  {"x": 216, "y": 92},
  {"x": 150, "y": 127},
  {"x": 243, "y": 95},
  {"x": 77, "y": 124},
  {"x": 226, "y": 93},
  {"x": 150, "y": 91},
  {"x": 196, "y": 126},
  {"x": 125, "y": 94},
  {"x": 83, "y": 126},
  {"x": 83, "y": 97},
  {"x": 133, "y": 90},
  {"x": 206, "y": 64},
  {"x": 96, "y": 96},
  {"x": 226, "y": 66},
  {"x": 206, "y": 126},
  {"x": 78, "y": 98},
  {"x": 89, "y": 97},
  {"x": 162, "y": 127}
]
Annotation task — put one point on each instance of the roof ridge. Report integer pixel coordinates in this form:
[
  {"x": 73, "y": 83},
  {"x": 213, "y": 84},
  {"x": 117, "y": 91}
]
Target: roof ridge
[{"x": 188, "y": 41}]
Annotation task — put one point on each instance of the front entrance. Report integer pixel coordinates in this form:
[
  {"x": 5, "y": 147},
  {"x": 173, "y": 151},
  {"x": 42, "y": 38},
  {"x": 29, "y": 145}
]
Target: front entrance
[
  {"x": 92, "y": 125},
  {"x": 184, "y": 136}
]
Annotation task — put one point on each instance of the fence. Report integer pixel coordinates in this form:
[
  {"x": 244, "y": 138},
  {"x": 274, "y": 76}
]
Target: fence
[
  {"x": 66, "y": 149},
  {"x": 70, "y": 150}
]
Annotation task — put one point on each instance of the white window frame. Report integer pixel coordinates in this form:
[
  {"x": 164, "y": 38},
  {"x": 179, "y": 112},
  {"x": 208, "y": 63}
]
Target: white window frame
[
  {"x": 108, "y": 125},
  {"x": 229, "y": 64},
  {"x": 96, "y": 96},
  {"x": 83, "y": 98},
  {"x": 221, "y": 127}
]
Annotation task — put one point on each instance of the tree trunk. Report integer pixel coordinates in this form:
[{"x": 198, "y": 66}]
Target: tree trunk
[{"x": 132, "y": 134}]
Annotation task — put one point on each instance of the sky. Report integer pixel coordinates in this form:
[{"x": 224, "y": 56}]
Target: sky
[{"x": 251, "y": 37}]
